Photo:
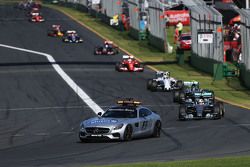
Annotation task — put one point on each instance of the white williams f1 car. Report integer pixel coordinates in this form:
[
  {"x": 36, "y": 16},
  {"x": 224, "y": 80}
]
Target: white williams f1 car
[{"x": 163, "y": 81}]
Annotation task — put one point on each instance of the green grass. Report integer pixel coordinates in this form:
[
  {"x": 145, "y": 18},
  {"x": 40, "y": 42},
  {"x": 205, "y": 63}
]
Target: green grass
[
  {"x": 228, "y": 89},
  {"x": 220, "y": 162}
]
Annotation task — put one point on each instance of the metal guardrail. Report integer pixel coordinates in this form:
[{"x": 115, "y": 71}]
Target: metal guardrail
[
  {"x": 111, "y": 7},
  {"x": 156, "y": 21},
  {"x": 134, "y": 14},
  {"x": 206, "y": 24},
  {"x": 245, "y": 37}
]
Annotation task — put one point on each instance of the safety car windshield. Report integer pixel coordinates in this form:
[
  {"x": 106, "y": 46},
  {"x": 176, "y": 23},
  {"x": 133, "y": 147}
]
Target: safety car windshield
[{"x": 120, "y": 113}]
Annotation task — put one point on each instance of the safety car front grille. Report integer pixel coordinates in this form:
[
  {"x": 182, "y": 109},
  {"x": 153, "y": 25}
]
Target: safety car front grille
[{"x": 97, "y": 130}]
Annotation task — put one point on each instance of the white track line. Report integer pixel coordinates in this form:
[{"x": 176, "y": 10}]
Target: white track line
[
  {"x": 64, "y": 76},
  {"x": 69, "y": 107}
]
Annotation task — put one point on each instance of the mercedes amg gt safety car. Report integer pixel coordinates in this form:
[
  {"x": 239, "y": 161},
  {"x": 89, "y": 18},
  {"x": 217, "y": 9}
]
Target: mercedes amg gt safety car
[
  {"x": 130, "y": 64},
  {"x": 56, "y": 31},
  {"x": 108, "y": 48},
  {"x": 163, "y": 81},
  {"x": 72, "y": 37},
  {"x": 125, "y": 121},
  {"x": 201, "y": 107}
]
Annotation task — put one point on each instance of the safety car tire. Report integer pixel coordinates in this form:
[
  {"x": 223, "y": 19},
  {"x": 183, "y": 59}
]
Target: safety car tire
[
  {"x": 157, "y": 129},
  {"x": 127, "y": 136}
]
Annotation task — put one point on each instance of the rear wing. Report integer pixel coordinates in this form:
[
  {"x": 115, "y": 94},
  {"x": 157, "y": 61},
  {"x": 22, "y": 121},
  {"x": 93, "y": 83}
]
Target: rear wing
[
  {"x": 127, "y": 57},
  {"x": 71, "y": 32},
  {"x": 191, "y": 83},
  {"x": 203, "y": 94}
]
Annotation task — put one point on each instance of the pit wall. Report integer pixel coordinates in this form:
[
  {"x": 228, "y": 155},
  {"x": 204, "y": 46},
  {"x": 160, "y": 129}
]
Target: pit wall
[
  {"x": 134, "y": 33},
  {"x": 207, "y": 65},
  {"x": 157, "y": 42}
]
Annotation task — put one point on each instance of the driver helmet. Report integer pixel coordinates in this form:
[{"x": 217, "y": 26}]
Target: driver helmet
[
  {"x": 193, "y": 87},
  {"x": 201, "y": 101},
  {"x": 167, "y": 75}
]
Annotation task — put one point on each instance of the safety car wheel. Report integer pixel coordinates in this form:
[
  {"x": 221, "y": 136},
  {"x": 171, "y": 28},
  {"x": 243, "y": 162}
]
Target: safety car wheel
[
  {"x": 127, "y": 136},
  {"x": 157, "y": 129},
  {"x": 81, "y": 139}
]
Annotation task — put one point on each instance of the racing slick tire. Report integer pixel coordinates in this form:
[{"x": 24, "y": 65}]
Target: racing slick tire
[
  {"x": 154, "y": 86},
  {"x": 95, "y": 51},
  {"x": 149, "y": 84},
  {"x": 222, "y": 108},
  {"x": 117, "y": 67},
  {"x": 116, "y": 51},
  {"x": 142, "y": 66},
  {"x": 176, "y": 96},
  {"x": 182, "y": 97},
  {"x": 182, "y": 113},
  {"x": 217, "y": 111},
  {"x": 157, "y": 129},
  {"x": 179, "y": 84},
  {"x": 127, "y": 136}
]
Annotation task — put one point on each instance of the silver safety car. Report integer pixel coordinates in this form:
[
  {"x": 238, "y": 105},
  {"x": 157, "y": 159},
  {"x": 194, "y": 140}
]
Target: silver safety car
[{"x": 125, "y": 121}]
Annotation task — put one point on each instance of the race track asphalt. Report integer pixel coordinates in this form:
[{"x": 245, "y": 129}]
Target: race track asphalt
[{"x": 40, "y": 113}]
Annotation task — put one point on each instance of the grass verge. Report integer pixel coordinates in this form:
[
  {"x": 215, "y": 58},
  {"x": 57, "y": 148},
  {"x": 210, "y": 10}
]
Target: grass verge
[
  {"x": 220, "y": 162},
  {"x": 229, "y": 89}
]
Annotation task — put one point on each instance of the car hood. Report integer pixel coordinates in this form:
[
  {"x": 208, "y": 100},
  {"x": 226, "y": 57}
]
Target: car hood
[{"x": 98, "y": 121}]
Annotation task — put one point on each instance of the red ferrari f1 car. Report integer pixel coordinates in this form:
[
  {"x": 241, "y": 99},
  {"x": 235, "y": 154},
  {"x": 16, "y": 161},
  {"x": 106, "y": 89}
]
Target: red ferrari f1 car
[
  {"x": 108, "y": 48},
  {"x": 37, "y": 18},
  {"x": 56, "y": 31},
  {"x": 129, "y": 64}
]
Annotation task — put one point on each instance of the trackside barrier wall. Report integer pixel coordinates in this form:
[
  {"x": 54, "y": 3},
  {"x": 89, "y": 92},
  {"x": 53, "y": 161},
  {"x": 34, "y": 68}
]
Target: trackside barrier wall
[
  {"x": 206, "y": 25},
  {"x": 134, "y": 18},
  {"x": 245, "y": 38},
  {"x": 110, "y": 8},
  {"x": 157, "y": 36},
  {"x": 83, "y": 5}
]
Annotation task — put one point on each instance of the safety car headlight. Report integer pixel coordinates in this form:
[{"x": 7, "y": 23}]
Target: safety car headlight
[{"x": 118, "y": 127}]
